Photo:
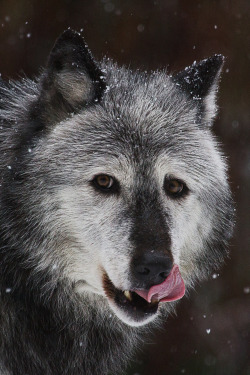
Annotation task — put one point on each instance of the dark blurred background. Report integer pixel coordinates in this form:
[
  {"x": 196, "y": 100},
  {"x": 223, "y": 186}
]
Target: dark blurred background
[{"x": 210, "y": 335}]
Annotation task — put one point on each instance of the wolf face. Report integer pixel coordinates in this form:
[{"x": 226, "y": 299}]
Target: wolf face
[{"x": 124, "y": 180}]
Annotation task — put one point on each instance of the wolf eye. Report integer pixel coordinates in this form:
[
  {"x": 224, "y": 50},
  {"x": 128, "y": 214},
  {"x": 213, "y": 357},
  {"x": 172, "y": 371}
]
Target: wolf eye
[
  {"x": 104, "y": 181},
  {"x": 175, "y": 188},
  {"x": 106, "y": 184}
]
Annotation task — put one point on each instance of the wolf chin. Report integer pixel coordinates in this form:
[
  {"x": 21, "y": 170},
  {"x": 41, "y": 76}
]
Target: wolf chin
[{"x": 114, "y": 200}]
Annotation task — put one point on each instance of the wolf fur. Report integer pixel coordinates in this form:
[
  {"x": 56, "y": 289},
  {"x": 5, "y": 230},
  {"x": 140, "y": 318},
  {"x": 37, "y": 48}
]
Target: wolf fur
[{"x": 64, "y": 242}]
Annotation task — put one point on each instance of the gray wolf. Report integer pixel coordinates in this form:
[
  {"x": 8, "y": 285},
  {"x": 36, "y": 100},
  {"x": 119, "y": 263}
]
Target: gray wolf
[{"x": 114, "y": 200}]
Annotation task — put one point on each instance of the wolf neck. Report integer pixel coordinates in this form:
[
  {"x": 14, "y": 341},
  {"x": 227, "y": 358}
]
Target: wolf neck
[
  {"x": 62, "y": 333},
  {"x": 62, "y": 344}
]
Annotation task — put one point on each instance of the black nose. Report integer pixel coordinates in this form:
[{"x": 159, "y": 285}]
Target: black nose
[{"x": 151, "y": 269}]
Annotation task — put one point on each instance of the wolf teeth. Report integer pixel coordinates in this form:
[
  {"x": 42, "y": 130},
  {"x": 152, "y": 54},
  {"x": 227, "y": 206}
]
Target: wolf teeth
[
  {"x": 154, "y": 301},
  {"x": 128, "y": 295}
]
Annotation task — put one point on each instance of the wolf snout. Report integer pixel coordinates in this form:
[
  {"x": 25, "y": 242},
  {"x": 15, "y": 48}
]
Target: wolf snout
[{"x": 151, "y": 269}]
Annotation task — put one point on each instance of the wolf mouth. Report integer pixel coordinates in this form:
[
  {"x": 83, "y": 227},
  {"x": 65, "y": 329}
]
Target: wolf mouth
[
  {"x": 141, "y": 305},
  {"x": 133, "y": 305}
]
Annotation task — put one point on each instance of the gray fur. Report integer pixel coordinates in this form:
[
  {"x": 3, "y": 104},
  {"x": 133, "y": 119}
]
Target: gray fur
[{"x": 58, "y": 233}]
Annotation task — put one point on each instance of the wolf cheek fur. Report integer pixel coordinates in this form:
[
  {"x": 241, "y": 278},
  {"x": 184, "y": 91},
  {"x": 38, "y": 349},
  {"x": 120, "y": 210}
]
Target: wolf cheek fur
[{"x": 114, "y": 195}]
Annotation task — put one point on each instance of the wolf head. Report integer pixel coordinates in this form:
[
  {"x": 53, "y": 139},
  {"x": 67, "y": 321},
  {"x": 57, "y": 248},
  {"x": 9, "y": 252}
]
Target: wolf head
[{"x": 123, "y": 185}]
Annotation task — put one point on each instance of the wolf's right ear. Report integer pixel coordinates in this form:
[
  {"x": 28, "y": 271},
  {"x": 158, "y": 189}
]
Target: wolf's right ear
[
  {"x": 72, "y": 79},
  {"x": 200, "y": 82}
]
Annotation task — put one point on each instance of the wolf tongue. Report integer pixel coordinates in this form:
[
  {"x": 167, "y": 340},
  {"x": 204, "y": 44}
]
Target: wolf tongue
[{"x": 171, "y": 289}]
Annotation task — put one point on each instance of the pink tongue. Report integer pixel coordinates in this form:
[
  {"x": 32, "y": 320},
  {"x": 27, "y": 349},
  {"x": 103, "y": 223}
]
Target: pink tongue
[{"x": 171, "y": 289}]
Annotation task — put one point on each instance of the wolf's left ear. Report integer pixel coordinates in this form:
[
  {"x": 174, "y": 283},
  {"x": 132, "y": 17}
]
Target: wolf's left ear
[
  {"x": 72, "y": 79},
  {"x": 200, "y": 81}
]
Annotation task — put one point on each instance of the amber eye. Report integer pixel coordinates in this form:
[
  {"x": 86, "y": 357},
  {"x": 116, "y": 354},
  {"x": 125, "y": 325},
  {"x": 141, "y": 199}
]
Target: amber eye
[
  {"x": 106, "y": 184},
  {"x": 174, "y": 187},
  {"x": 104, "y": 181}
]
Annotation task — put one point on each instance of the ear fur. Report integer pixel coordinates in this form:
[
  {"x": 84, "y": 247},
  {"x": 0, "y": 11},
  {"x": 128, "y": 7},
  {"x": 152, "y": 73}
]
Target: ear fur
[
  {"x": 200, "y": 82},
  {"x": 72, "y": 79}
]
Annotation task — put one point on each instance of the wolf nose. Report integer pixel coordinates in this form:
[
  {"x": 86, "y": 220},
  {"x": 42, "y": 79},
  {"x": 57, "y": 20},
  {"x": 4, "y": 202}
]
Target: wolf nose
[{"x": 151, "y": 269}]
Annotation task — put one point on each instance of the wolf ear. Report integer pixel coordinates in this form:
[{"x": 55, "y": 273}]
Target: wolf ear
[
  {"x": 200, "y": 81},
  {"x": 72, "y": 79}
]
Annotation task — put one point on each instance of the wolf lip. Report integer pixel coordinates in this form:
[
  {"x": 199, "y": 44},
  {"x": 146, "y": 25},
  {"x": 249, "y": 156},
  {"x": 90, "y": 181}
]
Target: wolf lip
[
  {"x": 130, "y": 302},
  {"x": 141, "y": 304}
]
